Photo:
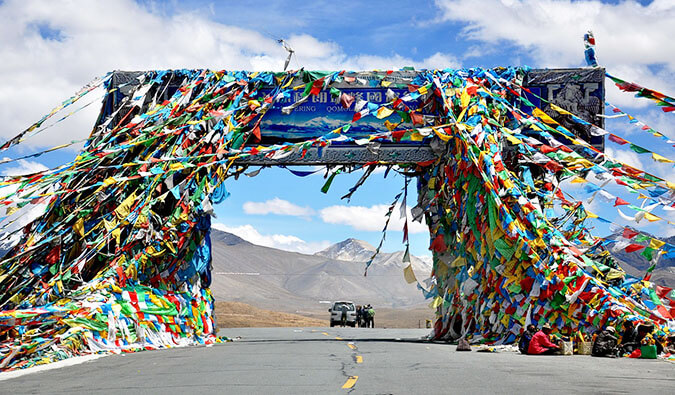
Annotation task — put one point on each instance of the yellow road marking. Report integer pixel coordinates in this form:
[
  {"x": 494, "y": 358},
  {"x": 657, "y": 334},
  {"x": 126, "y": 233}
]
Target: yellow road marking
[
  {"x": 324, "y": 333},
  {"x": 359, "y": 359},
  {"x": 338, "y": 338},
  {"x": 353, "y": 347},
  {"x": 350, "y": 382}
]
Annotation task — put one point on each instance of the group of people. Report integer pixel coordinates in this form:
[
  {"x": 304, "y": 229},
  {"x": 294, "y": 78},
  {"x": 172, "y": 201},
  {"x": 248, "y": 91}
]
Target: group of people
[
  {"x": 365, "y": 316},
  {"x": 610, "y": 344},
  {"x": 607, "y": 342}
]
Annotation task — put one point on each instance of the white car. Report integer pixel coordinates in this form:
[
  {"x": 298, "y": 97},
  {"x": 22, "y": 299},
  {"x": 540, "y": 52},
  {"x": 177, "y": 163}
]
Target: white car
[{"x": 336, "y": 313}]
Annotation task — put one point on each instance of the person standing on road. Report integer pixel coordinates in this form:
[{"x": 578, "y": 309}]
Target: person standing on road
[
  {"x": 371, "y": 316},
  {"x": 343, "y": 321},
  {"x": 359, "y": 316}
]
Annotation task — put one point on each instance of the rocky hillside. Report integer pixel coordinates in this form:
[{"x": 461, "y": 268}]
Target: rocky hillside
[
  {"x": 636, "y": 265},
  {"x": 288, "y": 281}
]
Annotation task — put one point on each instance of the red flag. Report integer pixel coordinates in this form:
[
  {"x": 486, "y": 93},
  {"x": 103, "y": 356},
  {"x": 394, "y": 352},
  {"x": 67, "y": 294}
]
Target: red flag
[
  {"x": 634, "y": 247},
  {"x": 547, "y": 148},
  {"x": 256, "y": 132},
  {"x": 620, "y": 202},
  {"x": 438, "y": 244},
  {"x": 316, "y": 86},
  {"x": 53, "y": 256},
  {"x": 629, "y": 233},
  {"x": 553, "y": 166},
  {"x": 346, "y": 100},
  {"x": 617, "y": 139},
  {"x": 417, "y": 119},
  {"x": 662, "y": 292}
]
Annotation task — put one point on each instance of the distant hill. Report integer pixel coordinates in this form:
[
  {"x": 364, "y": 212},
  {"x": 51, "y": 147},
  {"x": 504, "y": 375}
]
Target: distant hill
[
  {"x": 636, "y": 265},
  {"x": 283, "y": 280}
]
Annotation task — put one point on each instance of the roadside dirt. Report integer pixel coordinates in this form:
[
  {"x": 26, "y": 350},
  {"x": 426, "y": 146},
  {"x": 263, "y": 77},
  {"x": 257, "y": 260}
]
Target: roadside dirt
[{"x": 242, "y": 315}]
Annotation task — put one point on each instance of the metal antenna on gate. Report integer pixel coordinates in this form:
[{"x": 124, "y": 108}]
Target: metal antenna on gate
[{"x": 287, "y": 48}]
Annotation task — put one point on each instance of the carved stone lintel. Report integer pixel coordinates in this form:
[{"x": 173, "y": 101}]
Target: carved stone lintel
[{"x": 336, "y": 155}]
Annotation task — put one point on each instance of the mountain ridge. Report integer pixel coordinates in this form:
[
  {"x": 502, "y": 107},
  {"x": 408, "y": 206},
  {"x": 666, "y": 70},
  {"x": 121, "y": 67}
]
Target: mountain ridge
[{"x": 278, "y": 279}]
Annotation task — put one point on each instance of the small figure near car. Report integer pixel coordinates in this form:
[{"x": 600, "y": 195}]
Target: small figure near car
[
  {"x": 343, "y": 313},
  {"x": 370, "y": 316}
]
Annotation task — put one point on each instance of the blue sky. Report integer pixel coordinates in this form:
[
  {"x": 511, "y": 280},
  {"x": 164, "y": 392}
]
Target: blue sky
[{"x": 50, "y": 50}]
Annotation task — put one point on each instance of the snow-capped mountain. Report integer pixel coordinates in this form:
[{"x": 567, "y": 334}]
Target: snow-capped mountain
[
  {"x": 285, "y": 280},
  {"x": 353, "y": 250}
]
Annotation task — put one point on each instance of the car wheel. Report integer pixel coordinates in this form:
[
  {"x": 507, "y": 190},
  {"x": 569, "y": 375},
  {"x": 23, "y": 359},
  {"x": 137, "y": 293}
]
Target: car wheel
[{"x": 332, "y": 324}]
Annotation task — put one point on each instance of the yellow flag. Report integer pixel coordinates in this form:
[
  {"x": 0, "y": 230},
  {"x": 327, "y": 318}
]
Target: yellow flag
[
  {"x": 543, "y": 116},
  {"x": 389, "y": 125},
  {"x": 124, "y": 208},
  {"x": 409, "y": 275},
  {"x": 660, "y": 158},
  {"x": 440, "y": 135},
  {"x": 384, "y": 112},
  {"x": 465, "y": 98},
  {"x": 459, "y": 261},
  {"x": 578, "y": 180},
  {"x": 513, "y": 140},
  {"x": 656, "y": 244},
  {"x": 651, "y": 217},
  {"x": 79, "y": 227},
  {"x": 436, "y": 302},
  {"x": 117, "y": 233},
  {"x": 560, "y": 110}
]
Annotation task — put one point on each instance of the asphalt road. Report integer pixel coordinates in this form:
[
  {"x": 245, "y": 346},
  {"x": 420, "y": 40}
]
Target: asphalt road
[{"x": 363, "y": 361}]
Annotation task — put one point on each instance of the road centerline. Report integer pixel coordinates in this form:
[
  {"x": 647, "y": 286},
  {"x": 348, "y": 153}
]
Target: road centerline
[{"x": 350, "y": 382}]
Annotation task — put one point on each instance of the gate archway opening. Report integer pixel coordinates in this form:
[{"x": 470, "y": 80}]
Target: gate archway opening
[{"x": 120, "y": 259}]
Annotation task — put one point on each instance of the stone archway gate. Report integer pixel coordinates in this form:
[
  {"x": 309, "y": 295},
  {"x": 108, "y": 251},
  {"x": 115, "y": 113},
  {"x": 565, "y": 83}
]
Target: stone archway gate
[{"x": 120, "y": 259}]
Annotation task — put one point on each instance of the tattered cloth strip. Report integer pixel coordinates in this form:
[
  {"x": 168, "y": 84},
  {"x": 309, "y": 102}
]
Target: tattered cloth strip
[
  {"x": 643, "y": 127},
  {"x": 666, "y": 103}
]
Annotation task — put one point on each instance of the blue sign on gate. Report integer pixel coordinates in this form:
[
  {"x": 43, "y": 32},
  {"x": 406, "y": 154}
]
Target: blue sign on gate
[{"x": 321, "y": 114}]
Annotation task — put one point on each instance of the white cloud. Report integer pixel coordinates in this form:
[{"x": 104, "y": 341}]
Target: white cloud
[
  {"x": 282, "y": 242},
  {"x": 26, "y": 214},
  {"x": 633, "y": 159},
  {"x": 279, "y": 207},
  {"x": 369, "y": 218},
  {"x": 628, "y": 157},
  {"x": 629, "y": 35},
  {"x": 22, "y": 167},
  {"x": 51, "y": 49}
]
